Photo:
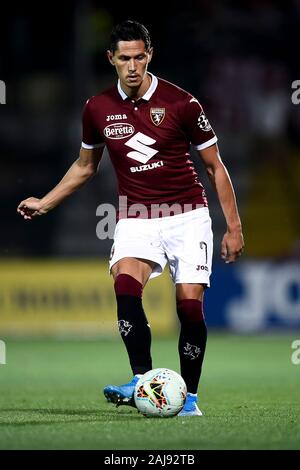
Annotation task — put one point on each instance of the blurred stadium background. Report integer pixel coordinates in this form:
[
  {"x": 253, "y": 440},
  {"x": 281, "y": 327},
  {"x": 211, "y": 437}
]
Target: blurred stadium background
[{"x": 239, "y": 59}]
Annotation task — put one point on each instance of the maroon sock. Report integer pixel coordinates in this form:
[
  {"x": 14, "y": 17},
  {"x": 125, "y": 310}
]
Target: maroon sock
[{"x": 128, "y": 285}]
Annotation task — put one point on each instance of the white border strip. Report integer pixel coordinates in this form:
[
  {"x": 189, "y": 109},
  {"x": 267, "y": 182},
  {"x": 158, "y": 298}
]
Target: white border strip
[
  {"x": 149, "y": 92},
  {"x": 90, "y": 147},
  {"x": 207, "y": 144}
]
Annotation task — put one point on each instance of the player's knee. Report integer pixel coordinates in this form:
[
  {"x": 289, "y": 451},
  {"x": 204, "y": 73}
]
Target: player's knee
[
  {"x": 190, "y": 310},
  {"x": 127, "y": 285},
  {"x": 190, "y": 291}
]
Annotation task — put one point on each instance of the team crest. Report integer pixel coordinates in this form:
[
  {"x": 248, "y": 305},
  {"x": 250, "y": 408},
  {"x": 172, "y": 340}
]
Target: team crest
[
  {"x": 124, "y": 327},
  {"x": 191, "y": 351},
  {"x": 157, "y": 115}
]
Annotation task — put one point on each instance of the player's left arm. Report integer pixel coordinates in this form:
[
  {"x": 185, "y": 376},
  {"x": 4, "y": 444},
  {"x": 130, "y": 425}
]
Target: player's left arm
[{"x": 233, "y": 241}]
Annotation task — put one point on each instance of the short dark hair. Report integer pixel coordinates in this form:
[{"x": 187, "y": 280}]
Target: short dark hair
[{"x": 129, "y": 31}]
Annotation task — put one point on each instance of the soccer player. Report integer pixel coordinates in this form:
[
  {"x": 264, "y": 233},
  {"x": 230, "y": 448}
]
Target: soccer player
[{"x": 148, "y": 125}]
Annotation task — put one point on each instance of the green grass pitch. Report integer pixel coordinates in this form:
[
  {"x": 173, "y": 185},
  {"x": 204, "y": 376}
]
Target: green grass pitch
[{"x": 51, "y": 397}]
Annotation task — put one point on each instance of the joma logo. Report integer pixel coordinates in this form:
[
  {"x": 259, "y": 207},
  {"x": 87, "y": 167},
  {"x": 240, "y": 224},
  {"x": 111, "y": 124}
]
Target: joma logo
[{"x": 116, "y": 117}]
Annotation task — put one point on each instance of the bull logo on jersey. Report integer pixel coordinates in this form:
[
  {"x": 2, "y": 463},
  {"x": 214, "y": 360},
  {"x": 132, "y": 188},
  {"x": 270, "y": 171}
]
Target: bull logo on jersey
[
  {"x": 157, "y": 115},
  {"x": 191, "y": 351},
  {"x": 124, "y": 327}
]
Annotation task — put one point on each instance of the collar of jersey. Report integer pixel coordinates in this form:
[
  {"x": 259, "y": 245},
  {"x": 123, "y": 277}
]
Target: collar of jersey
[{"x": 149, "y": 92}]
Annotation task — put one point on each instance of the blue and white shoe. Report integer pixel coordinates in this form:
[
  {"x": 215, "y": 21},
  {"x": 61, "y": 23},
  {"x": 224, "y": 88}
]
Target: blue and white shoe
[
  {"x": 121, "y": 394},
  {"x": 190, "y": 407}
]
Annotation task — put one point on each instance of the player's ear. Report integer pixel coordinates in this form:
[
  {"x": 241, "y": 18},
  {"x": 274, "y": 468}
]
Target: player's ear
[
  {"x": 150, "y": 54},
  {"x": 110, "y": 57}
]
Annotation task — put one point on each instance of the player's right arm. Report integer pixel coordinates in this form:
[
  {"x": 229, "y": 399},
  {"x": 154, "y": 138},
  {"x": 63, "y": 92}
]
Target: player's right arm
[{"x": 78, "y": 174}]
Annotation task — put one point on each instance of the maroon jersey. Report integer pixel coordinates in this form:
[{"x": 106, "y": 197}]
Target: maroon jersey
[{"x": 148, "y": 141}]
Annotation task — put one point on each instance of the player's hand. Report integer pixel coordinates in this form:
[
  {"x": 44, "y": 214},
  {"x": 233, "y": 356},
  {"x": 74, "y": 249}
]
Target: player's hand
[
  {"x": 30, "y": 207},
  {"x": 232, "y": 246}
]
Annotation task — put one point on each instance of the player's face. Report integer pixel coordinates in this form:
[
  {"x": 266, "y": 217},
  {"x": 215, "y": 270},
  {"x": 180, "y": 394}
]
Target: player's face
[{"x": 131, "y": 61}]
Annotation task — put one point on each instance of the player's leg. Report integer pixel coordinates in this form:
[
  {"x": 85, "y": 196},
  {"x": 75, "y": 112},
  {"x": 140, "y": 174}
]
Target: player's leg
[
  {"x": 192, "y": 340},
  {"x": 139, "y": 269},
  {"x": 130, "y": 276},
  {"x": 134, "y": 239},
  {"x": 188, "y": 245}
]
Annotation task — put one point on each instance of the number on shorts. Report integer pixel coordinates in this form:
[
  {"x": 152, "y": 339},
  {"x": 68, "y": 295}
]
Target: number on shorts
[{"x": 204, "y": 244}]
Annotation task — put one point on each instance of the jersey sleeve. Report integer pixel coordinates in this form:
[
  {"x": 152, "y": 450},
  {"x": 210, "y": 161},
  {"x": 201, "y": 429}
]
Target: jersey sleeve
[
  {"x": 91, "y": 137},
  {"x": 196, "y": 124}
]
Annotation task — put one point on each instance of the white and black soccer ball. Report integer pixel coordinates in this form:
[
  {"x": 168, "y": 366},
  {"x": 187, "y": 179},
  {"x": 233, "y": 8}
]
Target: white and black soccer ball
[{"x": 160, "y": 393}]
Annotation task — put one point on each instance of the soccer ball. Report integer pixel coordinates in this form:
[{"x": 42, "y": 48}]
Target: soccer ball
[{"x": 160, "y": 393}]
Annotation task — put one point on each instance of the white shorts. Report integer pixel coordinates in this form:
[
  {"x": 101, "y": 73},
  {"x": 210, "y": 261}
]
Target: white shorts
[{"x": 184, "y": 241}]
